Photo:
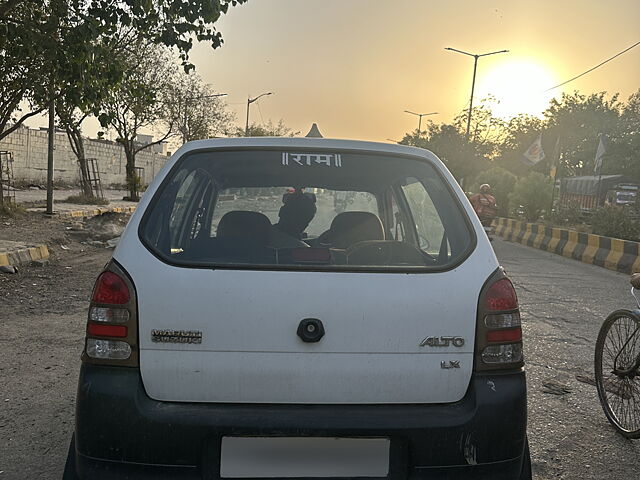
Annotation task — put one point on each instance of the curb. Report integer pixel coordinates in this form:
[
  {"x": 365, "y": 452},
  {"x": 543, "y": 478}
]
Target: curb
[
  {"x": 24, "y": 255},
  {"x": 94, "y": 212},
  {"x": 611, "y": 253}
]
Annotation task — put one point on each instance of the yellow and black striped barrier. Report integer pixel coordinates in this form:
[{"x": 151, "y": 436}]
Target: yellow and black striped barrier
[{"x": 612, "y": 253}]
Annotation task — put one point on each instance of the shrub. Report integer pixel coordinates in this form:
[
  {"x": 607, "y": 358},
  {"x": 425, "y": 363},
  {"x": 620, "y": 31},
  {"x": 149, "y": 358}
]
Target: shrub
[
  {"x": 502, "y": 183},
  {"x": 615, "y": 222},
  {"x": 10, "y": 209},
  {"x": 533, "y": 193},
  {"x": 569, "y": 214},
  {"x": 86, "y": 200}
]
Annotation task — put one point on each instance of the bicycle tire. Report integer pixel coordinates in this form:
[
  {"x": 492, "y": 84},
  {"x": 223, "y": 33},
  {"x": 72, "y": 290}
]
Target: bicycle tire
[{"x": 618, "y": 345}]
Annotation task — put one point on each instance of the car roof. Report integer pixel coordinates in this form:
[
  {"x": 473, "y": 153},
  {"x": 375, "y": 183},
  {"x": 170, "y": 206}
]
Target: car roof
[{"x": 304, "y": 142}]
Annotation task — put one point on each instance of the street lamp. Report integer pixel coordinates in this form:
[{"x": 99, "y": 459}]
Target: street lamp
[
  {"x": 186, "y": 116},
  {"x": 249, "y": 102},
  {"x": 473, "y": 82},
  {"x": 420, "y": 115}
]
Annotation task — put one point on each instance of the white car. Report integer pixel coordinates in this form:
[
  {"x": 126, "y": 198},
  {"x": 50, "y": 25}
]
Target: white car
[{"x": 246, "y": 329}]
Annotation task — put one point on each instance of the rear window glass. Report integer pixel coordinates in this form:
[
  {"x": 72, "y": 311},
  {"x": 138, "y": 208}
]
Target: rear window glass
[{"x": 306, "y": 210}]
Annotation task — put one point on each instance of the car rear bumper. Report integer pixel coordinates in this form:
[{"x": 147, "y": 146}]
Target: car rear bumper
[{"x": 121, "y": 432}]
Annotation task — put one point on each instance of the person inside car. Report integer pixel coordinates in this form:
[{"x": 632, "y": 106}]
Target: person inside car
[{"x": 296, "y": 213}]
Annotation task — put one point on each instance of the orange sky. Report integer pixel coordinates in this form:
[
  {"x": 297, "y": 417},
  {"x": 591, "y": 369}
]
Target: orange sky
[{"x": 354, "y": 66}]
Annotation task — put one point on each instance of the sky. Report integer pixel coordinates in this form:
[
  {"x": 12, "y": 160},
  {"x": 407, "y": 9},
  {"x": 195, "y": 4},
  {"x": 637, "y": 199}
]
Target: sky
[{"x": 354, "y": 66}]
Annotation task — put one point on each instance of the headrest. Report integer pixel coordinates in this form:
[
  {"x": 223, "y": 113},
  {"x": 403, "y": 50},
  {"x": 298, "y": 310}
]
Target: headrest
[
  {"x": 242, "y": 225},
  {"x": 348, "y": 228}
]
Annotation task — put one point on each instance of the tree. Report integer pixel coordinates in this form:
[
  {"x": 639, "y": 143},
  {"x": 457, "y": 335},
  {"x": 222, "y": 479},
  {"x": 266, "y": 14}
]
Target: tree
[
  {"x": 623, "y": 149},
  {"x": 70, "y": 47},
  {"x": 486, "y": 131},
  {"x": 195, "y": 110},
  {"x": 268, "y": 129},
  {"x": 22, "y": 66},
  {"x": 578, "y": 120},
  {"x": 464, "y": 159},
  {"x": 70, "y": 119},
  {"x": 533, "y": 192},
  {"x": 519, "y": 133},
  {"x": 139, "y": 102}
]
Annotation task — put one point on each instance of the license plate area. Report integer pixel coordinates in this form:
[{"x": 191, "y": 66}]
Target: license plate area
[{"x": 304, "y": 457}]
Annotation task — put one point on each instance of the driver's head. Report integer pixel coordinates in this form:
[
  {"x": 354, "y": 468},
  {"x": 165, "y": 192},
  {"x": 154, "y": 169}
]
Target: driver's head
[{"x": 296, "y": 213}]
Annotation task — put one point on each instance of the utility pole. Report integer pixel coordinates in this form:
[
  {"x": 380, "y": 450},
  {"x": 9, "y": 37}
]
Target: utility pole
[
  {"x": 420, "y": 115},
  {"x": 473, "y": 82},
  {"x": 52, "y": 133},
  {"x": 249, "y": 102}
]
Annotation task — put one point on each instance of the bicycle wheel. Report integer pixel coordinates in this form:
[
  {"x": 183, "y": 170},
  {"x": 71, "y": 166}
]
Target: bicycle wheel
[{"x": 616, "y": 371}]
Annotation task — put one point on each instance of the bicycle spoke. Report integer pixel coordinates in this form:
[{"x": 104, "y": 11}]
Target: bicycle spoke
[{"x": 618, "y": 350}]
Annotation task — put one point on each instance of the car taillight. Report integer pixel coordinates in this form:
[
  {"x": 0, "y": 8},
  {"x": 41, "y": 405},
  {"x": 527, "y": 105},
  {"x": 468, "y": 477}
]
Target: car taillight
[
  {"x": 499, "y": 330},
  {"x": 112, "y": 327}
]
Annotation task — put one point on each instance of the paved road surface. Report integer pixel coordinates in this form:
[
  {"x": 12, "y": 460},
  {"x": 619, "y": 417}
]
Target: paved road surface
[{"x": 563, "y": 304}]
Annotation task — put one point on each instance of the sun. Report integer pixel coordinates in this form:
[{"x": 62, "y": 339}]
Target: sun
[{"x": 519, "y": 86}]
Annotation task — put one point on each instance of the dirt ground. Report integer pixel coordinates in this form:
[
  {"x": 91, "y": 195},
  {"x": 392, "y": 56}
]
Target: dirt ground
[{"x": 42, "y": 320}]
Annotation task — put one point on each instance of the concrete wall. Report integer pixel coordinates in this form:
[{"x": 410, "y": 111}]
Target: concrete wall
[{"x": 29, "y": 148}]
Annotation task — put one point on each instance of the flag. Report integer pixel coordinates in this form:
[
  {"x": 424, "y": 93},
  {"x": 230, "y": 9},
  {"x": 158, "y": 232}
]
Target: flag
[
  {"x": 555, "y": 160},
  {"x": 600, "y": 152},
  {"x": 534, "y": 153}
]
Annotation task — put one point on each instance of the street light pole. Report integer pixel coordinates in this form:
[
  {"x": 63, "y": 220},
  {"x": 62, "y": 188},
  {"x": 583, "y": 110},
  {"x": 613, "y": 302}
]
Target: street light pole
[
  {"x": 473, "y": 82},
  {"x": 420, "y": 115},
  {"x": 249, "y": 102}
]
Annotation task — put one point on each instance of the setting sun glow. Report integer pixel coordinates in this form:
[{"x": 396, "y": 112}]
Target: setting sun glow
[{"x": 518, "y": 86}]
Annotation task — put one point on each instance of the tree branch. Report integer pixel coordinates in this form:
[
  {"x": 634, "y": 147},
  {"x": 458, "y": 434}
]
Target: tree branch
[{"x": 19, "y": 122}]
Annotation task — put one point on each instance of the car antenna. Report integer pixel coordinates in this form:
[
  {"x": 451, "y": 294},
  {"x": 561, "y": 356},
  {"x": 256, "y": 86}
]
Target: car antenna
[{"x": 314, "y": 132}]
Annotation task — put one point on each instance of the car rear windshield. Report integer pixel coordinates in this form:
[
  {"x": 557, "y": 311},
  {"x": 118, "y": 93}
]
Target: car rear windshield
[{"x": 310, "y": 210}]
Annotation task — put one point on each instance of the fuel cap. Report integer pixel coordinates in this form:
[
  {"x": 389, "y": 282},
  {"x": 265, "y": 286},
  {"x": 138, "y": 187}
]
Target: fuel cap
[{"x": 310, "y": 330}]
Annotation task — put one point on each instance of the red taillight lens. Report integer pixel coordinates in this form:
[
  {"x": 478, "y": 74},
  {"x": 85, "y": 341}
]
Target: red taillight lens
[
  {"x": 510, "y": 335},
  {"x": 110, "y": 289},
  {"x": 501, "y": 297},
  {"x": 97, "y": 330},
  {"x": 498, "y": 332},
  {"x": 112, "y": 324}
]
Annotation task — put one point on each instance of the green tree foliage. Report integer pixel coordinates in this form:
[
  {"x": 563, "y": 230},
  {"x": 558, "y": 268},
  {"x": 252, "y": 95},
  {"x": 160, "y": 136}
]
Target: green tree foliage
[
  {"x": 578, "y": 120},
  {"x": 464, "y": 159},
  {"x": 140, "y": 102},
  {"x": 623, "y": 155},
  {"x": 194, "y": 109},
  {"x": 73, "y": 48},
  {"x": 268, "y": 129},
  {"x": 533, "y": 193},
  {"x": 615, "y": 222},
  {"x": 502, "y": 183},
  {"x": 519, "y": 133}
]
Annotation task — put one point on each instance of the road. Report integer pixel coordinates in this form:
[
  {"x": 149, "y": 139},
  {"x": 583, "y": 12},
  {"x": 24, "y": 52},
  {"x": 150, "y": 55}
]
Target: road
[{"x": 563, "y": 302}]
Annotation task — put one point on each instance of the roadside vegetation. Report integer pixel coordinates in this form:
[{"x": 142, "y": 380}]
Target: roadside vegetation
[
  {"x": 84, "y": 199},
  {"x": 11, "y": 210}
]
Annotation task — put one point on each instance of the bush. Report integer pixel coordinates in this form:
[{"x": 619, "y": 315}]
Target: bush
[
  {"x": 86, "y": 200},
  {"x": 615, "y": 222},
  {"x": 533, "y": 193},
  {"x": 570, "y": 214},
  {"x": 502, "y": 183},
  {"x": 10, "y": 209}
]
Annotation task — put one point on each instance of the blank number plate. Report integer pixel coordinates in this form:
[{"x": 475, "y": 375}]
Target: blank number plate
[{"x": 270, "y": 457}]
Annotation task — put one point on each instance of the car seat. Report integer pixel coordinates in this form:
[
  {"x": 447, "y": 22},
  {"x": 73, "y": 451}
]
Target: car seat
[{"x": 348, "y": 228}]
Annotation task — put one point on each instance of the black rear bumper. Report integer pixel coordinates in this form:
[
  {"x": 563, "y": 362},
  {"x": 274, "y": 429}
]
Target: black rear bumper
[{"x": 122, "y": 433}]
